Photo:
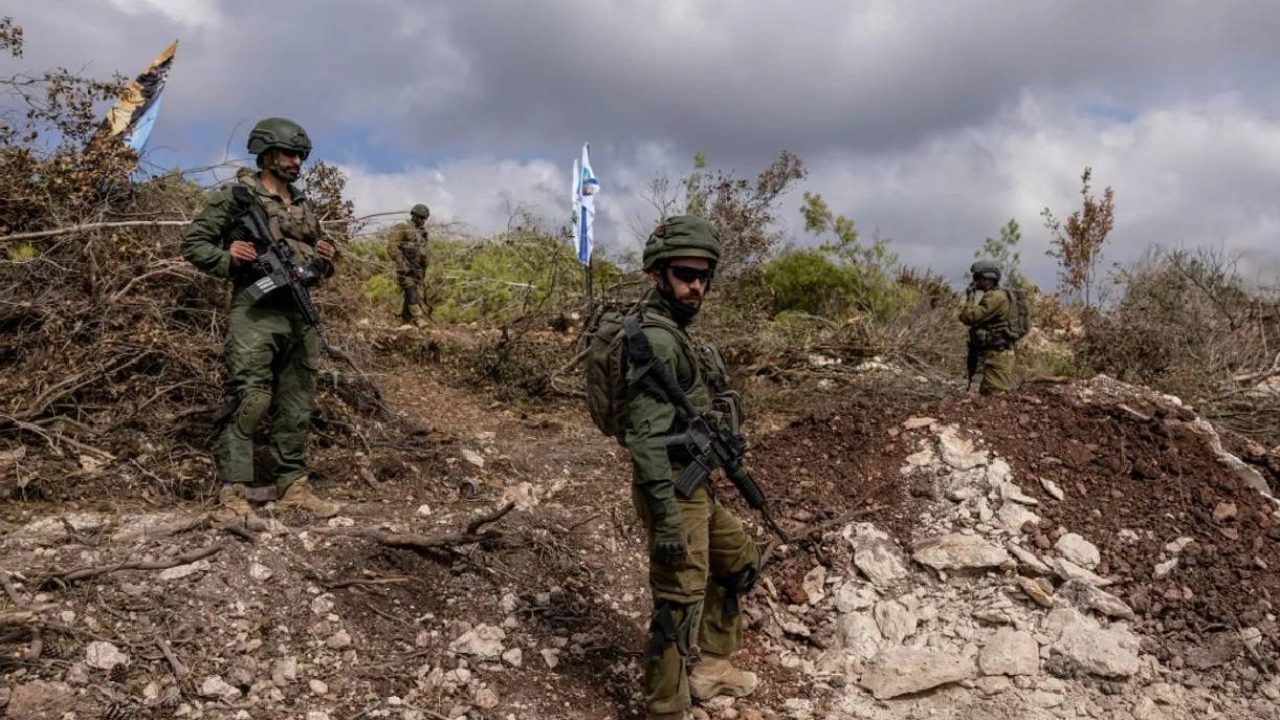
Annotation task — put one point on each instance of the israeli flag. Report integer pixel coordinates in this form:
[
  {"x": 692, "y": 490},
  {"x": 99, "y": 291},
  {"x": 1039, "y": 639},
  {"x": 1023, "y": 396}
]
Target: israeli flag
[{"x": 585, "y": 187}]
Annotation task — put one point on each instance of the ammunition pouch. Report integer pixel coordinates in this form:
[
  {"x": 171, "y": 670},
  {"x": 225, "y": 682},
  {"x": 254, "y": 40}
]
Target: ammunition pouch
[
  {"x": 736, "y": 585},
  {"x": 672, "y": 623}
]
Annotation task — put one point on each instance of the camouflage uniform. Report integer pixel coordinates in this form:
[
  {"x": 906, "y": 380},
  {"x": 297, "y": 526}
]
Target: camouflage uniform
[
  {"x": 407, "y": 246},
  {"x": 987, "y": 315},
  {"x": 271, "y": 353},
  {"x": 695, "y": 599}
]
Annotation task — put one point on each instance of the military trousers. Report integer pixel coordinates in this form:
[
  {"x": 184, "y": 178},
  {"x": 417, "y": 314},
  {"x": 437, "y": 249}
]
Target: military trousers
[
  {"x": 272, "y": 355},
  {"x": 696, "y": 599},
  {"x": 411, "y": 285},
  {"x": 997, "y": 371}
]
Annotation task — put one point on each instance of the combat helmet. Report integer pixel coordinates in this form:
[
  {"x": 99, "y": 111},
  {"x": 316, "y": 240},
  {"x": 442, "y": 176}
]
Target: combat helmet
[
  {"x": 280, "y": 133},
  {"x": 682, "y": 236},
  {"x": 421, "y": 211},
  {"x": 986, "y": 268}
]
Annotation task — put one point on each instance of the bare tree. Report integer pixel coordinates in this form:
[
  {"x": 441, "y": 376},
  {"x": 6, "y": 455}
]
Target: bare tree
[{"x": 1077, "y": 243}]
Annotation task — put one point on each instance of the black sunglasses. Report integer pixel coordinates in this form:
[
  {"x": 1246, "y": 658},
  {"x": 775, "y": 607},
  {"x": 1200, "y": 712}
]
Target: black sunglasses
[{"x": 691, "y": 275}]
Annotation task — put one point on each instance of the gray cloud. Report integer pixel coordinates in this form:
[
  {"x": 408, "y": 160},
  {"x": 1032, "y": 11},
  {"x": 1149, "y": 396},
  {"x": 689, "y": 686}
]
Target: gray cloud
[{"x": 931, "y": 121}]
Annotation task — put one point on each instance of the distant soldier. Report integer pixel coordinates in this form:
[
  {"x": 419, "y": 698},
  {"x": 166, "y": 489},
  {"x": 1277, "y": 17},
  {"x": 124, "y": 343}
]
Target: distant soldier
[
  {"x": 407, "y": 246},
  {"x": 272, "y": 354},
  {"x": 987, "y": 311}
]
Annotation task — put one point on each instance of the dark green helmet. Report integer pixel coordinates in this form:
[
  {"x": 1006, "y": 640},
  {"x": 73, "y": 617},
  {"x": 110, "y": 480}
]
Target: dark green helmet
[
  {"x": 421, "y": 211},
  {"x": 682, "y": 236},
  {"x": 986, "y": 268},
  {"x": 279, "y": 133}
]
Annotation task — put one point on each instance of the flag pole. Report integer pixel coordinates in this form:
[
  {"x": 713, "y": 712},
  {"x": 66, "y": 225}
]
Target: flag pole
[{"x": 586, "y": 271}]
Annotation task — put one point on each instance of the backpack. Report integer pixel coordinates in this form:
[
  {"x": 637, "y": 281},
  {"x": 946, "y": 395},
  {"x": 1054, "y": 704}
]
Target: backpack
[
  {"x": 603, "y": 348},
  {"x": 1019, "y": 323}
]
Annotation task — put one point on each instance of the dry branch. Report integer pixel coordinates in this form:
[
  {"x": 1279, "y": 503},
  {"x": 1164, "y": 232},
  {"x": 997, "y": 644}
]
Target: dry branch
[
  {"x": 91, "y": 571},
  {"x": 89, "y": 227},
  {"x": 414, "y": 541}
]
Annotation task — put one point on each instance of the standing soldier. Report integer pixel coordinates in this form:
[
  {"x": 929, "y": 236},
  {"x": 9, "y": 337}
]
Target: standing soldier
[
  {"x": 407, "y": 246},
  {"x": 987, "y": 311},
  {"x": 701, "y": 559},
  {"x": 272, "y": 354}
]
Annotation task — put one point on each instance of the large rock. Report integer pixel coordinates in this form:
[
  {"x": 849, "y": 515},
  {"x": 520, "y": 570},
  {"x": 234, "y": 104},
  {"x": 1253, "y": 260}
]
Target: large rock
[
  {"x": 855, "y": 595},
  {"x": 1067, "y": 570},
  {"x": 1029, "y": 561},
  {"x": 1084, "y": 645},
  {"x": 40, "y": 700},
  {"x": 860, "y": 637},
  {"x": 895, "y": 621},
  {"x": 1010, "y": 652},
  {"x": 960, "y": 552},
  {"x": 902, "y": 671},
  {"x": 958, "y": 452},
  {"x": 878, "y": 559},
  {"x": 1078, "y": 550},
  {"x": 103, "y": 655},
  {"x": 217, "y": 688},
  {"x": 482, "y": 641},
  {"x": 1086, "y": 596},
  {"x": 1012, "y": 516}
]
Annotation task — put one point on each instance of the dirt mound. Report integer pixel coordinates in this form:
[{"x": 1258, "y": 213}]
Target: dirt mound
[{"x": 1184, "y": 535}]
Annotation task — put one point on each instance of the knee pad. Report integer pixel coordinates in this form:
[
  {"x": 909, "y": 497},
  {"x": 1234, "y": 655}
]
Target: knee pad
[
  {"x": 673, "y": 623},
  {"x": 254, "y": 404},
  {"x": 736, "y": 585}
]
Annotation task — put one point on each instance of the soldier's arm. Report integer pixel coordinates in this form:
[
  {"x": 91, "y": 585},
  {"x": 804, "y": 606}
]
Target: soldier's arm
[
  {"x": 394, "y": 238},
  {"x": 650, "y": 418},
  {"x": 202, "y": 243},
  {"x": 993, "y": 306}
]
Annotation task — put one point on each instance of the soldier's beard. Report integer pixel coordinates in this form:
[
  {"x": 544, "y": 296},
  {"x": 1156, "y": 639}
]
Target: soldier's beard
[{"x": 681, "y": 312}]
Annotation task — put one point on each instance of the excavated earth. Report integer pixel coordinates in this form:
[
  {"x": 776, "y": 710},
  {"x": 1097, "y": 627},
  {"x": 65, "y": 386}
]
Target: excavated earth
[{"x": 1077, "y": 551}]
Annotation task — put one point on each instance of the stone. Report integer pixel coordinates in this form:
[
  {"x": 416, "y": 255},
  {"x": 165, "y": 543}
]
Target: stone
[
  {"x": 260, "y": 572},
  {"x": 1086, "y": 596},
  {"x": 521, "y": 495},
  {"x": 103, "y": 655},
  {"x": 40, "y": 700},
  {"x": 993, "y": 685},
  {"x": 1052, "y": 488},
  {"x": 318, "y": 687},
  {"x": 424, "y": 511},
  {"x": 1225, "y": 511},
  {"x": 473, "y": 457},
  {"x": 902, "y": 671},
  {"x": 284, "y": 671},
  {"x": 879, "y": 561},
  {"x": 182, "y": 571},
  {"x": 1029, "y": 561},
  {"x": 1010, "y": 492},
  {"x": 1012, "y": 516},
  {"x": 860, "y": 636},
  {"x": 855, "y": 595},
  {"x": 1067, "y": 570},
  {"x": 1110, "y": 652},
  {"x": 895, "y": 621},
  {"x": 550, "y": 657},
  {"x": 1078, "y": 550},
  {"x": 482, "y": 641},
  {"x": 513, "y": 657},
  {"x": 317, "y": 715},
  {"x": 322, "y": 604},
  {"x": 339, "y": 640},
  {"x": 216, "y": 688},
  {"x": 486, "y": 699},
  {"x": 1174, "y": 547},
  {"x": 959, "y": 452},
  {"x": 1045, "y": 699},
  {"x": 813, "y": 584},
  {"x": 1162, "y": 570},
  {"x": 917, "y": 423},
  {"x": 960, "y": 552},
  {"x": 1010, "y": 652}
]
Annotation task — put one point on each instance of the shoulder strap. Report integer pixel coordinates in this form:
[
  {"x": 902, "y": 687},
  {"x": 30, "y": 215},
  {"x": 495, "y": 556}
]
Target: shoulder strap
[{"x": 657, "y": 374}]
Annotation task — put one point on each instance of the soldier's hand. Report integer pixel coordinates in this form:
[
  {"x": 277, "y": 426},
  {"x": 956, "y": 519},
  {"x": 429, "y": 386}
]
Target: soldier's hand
[
  {"x": 326, "y": 250},
  {"x": 242, "y": 251},
  {"x": 669, "y": 546}
]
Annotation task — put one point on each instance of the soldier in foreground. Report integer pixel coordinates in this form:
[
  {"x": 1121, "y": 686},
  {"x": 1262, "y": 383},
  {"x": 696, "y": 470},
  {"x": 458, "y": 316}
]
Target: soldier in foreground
[
  {"x": 407, "y": 246},
  {"x": 701, "y": 558},
  {"x": 987, "y": 311},
  {"x": 272, "y": 354}
]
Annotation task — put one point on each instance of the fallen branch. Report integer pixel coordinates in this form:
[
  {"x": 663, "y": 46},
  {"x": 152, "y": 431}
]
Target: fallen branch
[
  {"x": 26, "y": 616},
  {"x": 91, "y": 571},
  {"x": 89, "y": 227},
  {"x": 179, "y": 670},
  {"x": 428, "y": 542}
]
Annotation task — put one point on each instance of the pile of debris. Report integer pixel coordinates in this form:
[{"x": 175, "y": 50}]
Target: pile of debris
[{"x": 1091, "y": 551}]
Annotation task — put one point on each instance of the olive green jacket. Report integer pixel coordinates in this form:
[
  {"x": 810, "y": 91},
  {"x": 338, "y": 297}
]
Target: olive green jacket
[{"x": 407, "y": 247}]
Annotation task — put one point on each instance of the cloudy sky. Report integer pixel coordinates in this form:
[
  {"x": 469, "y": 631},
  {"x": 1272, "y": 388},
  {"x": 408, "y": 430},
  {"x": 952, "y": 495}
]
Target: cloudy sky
[{"x": 930, "y": 121}]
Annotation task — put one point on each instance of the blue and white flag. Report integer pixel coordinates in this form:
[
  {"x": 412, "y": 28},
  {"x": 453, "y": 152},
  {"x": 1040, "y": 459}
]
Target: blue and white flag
[
  {"x": 585, "y": 187},
  {"x": 134, "y": 114}
]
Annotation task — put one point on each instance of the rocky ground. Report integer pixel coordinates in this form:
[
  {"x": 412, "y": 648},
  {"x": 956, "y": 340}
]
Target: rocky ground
[{"x": 1086, "y": 551}]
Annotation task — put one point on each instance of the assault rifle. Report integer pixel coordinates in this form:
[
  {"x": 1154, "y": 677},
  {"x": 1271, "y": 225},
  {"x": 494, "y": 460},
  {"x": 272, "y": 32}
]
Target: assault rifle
[
  {"x": 710, "y": 445},
  {"x": 277, "y": 262}
]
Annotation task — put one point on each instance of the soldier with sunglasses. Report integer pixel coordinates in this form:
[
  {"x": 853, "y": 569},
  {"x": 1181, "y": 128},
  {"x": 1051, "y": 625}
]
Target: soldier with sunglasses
[{"x": 701, "y": 558}]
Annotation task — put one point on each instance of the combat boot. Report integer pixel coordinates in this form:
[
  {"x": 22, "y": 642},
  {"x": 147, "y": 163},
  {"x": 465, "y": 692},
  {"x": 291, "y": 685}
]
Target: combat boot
[
  {"x": 715, "y": 675},
  {"x": 299, "y": 495},
  {"x": 234, "y": 507}
]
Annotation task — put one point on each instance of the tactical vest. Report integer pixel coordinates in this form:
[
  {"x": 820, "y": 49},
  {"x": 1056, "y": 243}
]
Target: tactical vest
[{"x": 295, "y": 223}]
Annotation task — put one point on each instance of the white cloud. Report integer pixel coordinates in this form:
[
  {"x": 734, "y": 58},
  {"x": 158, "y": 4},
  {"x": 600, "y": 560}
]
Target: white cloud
[{"x": 191, "y": 13}]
